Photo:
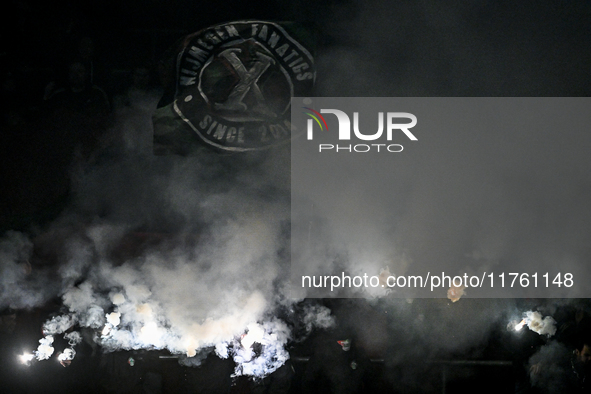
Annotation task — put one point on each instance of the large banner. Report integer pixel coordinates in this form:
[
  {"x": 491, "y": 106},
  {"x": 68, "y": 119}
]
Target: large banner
[{"x": 233, "y": 86}]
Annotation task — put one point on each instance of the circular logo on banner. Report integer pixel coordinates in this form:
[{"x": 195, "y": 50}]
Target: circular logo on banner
[{"x": 235, "y": 82}]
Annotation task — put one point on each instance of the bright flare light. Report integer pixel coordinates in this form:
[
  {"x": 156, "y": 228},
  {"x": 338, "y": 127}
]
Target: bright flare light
[
  {"x": 520, "y": 325},
  {"x": 106, "y": 330},
  {"x": 255, "y": 334},
  {"x": 26, "y": 358},
  {"x": 150, "y": 333},
  {"x": 114, "y": 318},
  {"x": 68, "y": 354}
]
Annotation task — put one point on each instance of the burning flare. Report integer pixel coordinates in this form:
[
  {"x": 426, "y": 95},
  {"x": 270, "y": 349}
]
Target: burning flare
[
  {"x": 535, "y": 322},
  {"x": 45, "y": 350},
  {"x": 520, "y": 325},
  {"x": 66, "y": 357},
  {"x": 26, "y": 358},
  {"x": 455, "y": 293}
]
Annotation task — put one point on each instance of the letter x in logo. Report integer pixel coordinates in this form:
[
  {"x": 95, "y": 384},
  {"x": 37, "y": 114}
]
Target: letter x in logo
[{"x": 248, "y": 82}]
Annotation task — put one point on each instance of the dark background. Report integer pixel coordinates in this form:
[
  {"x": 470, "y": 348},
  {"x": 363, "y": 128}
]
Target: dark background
[{"x": 373, "y": 48}]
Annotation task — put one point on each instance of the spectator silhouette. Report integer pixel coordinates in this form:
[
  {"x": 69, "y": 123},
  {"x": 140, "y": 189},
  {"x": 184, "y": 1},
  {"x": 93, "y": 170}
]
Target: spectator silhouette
[
  {"x": 76, "y": 118},
  {"x": 560, "y": 368},
  {"x": 133, "y": 111},
  {"x": 78, "y": 113}
]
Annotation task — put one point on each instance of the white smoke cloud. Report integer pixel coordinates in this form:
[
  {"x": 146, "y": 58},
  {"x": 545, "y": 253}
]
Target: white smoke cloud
[
  {"x": 45, "y": 349},
  {"x": 317, "y": 316},
  {"x": 535, "y": 321},
  {"x": 185, "y": 303},
  {"x": 59, "y": 324},
  {"x": 272, "y": 336},
  {"x": 67, "y": 355},
  {"x": 213, "y": 274},
  {"x": 543, "y": 326},
  {"x": 73, "y": 338}
]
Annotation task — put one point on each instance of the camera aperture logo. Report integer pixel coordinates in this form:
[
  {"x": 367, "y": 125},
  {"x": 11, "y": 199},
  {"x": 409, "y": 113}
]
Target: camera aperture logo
[{"x": 396, "y": 124}]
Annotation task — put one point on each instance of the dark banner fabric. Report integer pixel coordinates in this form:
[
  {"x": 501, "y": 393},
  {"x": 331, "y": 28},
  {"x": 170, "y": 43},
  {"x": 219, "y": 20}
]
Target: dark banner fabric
[{"x": 232, "y": 88}]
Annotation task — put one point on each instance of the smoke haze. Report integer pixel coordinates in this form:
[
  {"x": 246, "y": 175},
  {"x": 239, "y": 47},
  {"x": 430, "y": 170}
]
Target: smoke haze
[{"x": 191, "y": 254}]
